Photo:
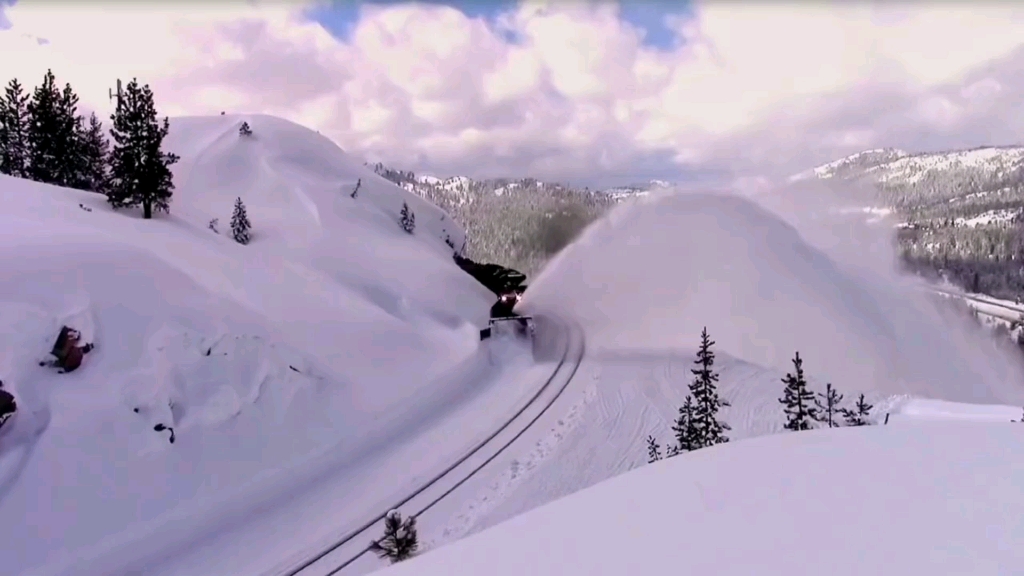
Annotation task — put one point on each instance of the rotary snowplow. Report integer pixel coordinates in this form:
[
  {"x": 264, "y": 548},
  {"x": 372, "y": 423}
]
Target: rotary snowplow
[{"x": 505, "y": 322}]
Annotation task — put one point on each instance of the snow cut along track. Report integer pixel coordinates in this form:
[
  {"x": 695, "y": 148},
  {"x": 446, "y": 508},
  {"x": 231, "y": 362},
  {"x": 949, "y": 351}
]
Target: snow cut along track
[{"x": 355, "y": 544}]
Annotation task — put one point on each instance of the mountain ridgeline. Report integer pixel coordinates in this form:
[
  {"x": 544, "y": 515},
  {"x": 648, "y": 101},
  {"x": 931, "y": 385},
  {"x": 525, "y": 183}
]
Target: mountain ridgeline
[{"x": 961, "y": 212}]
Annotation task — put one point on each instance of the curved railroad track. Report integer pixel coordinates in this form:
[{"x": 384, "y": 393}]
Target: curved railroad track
[{"x": 353, "y": 545}]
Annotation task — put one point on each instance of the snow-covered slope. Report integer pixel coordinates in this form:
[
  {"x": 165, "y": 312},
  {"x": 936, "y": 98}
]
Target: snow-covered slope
[
  {"x": 645, "y": 280},
  {"x": 918, "y": 498},
  {"x": 279, "y": 365},
  {"x": 890, "y": 165},
  {"x": 653, "y": 274}
]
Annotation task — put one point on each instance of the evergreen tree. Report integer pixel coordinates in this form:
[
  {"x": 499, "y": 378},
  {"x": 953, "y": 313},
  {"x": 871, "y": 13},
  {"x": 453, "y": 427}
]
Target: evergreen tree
[
  {"x": 828, "y": 406},
  {"x": 14, "y": 127},
  {"x": 240, "y": 223},
  {"x": 653, "y": 450},
  {"x": 400, "y": 541},
  {"x": 139, "y": 173},
  {"x": 408, "y": 220},
  {"x": 44, "y": 129},
  {"x": 708, "y": 430},
  {"x": 685, "y": 427},
  {"x": 95, "y": 149},
  {"x": 69, "y": 145},
  {"x": 799, "y": 401},
  {"x": 858, "y": 416}
]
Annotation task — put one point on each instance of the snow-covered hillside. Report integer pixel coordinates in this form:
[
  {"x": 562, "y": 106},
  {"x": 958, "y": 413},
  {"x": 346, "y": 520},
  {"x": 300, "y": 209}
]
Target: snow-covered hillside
[
  {"x": 645, "y": 280},
  {"x": 939, "y": 497},
  {"x": 763, "y": 292},
  {"x": 278, "y": 364}
]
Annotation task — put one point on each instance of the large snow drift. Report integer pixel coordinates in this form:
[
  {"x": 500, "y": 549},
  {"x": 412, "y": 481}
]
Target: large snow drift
[
  {"x": 279, "y": 364},
  {"x": 653, "y": 273},
  {"x": 923, "y": 498}
]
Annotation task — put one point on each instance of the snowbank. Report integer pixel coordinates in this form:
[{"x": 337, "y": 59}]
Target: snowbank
[
  {"x": 935, "y": 498},
  {"x": 654, "y": 272},
  {"x": 333, "y": 332}
]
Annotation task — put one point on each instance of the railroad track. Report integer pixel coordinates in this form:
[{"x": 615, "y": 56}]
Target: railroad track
[
  {"x": 985, "y": 306},
  {"x": 355, "y": 544}
]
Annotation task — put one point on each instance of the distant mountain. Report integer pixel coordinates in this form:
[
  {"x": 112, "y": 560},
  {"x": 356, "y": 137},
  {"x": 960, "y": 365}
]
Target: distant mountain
[
  {"x": 962, "y": 210},
  {"x": 519, "y": 223}
]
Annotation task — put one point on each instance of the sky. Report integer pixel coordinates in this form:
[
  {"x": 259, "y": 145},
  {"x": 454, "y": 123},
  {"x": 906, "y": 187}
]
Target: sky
[{"x": 581, "y": 91}]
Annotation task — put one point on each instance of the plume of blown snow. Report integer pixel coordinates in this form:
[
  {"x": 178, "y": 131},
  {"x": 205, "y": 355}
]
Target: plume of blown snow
[{"x": 655, "y": 271}]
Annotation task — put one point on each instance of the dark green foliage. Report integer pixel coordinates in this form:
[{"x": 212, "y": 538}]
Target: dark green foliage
[
  {"x": 685, "y": 428},
  {"x": 858, "y": 415},
  {"x": 797, "y": 399},
  {"x": 407, "y": 219},
  {"x": 139, "y": 168},
  {"x": 400, "y": 541},
  {"x": 827, "y": 404},
  {"x": 708, "y": 430},
  {"x": 56, "y": 151},
  {"x": 653, "y": 450},
  {"x": 14, "y": 127},
  {"x": 95, "y": 148},
  {"x": 240, "y": 225},
  {"x": 44, "y": 124}
]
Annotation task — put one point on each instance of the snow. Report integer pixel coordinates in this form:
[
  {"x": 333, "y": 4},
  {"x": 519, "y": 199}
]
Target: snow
[
  {"x": 921, "y": 497},
  {"x": 316, "y": 375},
  {"x": 988, "y": 218},
  {"x": 763, "y": 292},
  {"x": 281, "y": 365},
  {"x": 644, "y": 281}
]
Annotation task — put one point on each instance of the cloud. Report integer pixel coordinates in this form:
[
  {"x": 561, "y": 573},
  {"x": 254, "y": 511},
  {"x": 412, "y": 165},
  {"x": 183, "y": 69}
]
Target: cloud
[{"x": 559, "y": 89}]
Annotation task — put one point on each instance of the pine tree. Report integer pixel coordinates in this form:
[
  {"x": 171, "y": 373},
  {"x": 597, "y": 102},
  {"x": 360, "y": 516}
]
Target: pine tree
[
  {"x": 14, "y": 126},
  {"x": 708, "y": 430},
  {"x": 95, "y": 149},
  {"x": 138, "y": 167},
  {"x": 827, "y": 405},
  {"x": 799, "y": 401},
  {"x": 240, "y": 223},
  {"x": 44, "y": 128},
  {"x": 408, "y": 220},
  {"x": 858, "y": 416},
  {"x": 685, "y": 427},
  {"x": 400, "y": 541},
  {"x": 69, "y": 144},
  {"x": 653, "y": 450}
]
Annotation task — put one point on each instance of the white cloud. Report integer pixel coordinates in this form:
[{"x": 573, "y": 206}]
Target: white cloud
[{"x": 753, "y": 86}]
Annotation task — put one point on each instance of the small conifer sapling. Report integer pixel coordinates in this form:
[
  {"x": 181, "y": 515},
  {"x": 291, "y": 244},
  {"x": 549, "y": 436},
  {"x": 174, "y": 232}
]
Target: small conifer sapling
[
  {"x": 653, "y": 450},
  {"x": 400, "y": 541},
  {"x": 858, "y": 415},
  {"x": 827, "y": 404},
  {"x": 240, "y": 223},
  {"x": 408, "y": 219},
  {"x": 797, "y": 399},
  {"x": 708, "y": 430}
]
